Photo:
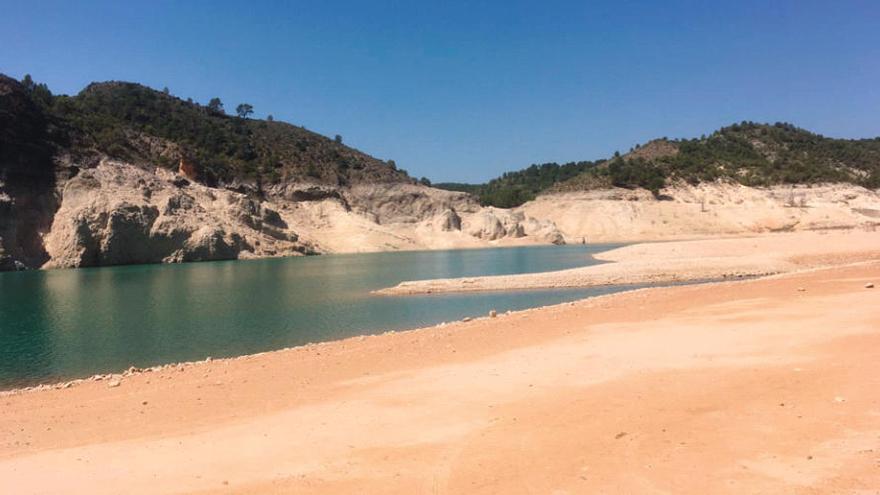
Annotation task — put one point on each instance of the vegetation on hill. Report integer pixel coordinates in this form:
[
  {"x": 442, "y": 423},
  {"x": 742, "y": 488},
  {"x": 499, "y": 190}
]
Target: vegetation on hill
[
  {"x": 136, "y": 123},
  {"x": 26, "y": 133},
  {"x": 515, "y": 188},
  {"x": 753, "y": 155},
  {"x": 748, "y": 153}
]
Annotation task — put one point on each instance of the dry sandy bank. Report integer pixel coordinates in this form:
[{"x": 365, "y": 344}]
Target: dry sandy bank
[
  {"x": 679, "y": 261},
  {"x": 746, "y": 387}
]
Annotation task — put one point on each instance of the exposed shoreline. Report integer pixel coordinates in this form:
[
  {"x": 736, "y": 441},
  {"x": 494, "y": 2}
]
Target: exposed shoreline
[
  {"x": 677, "y": 261},
  {"x": 764, "y": 385},
  {"x": 181, "y": 365},
  {"x": 619, "y": 268}
]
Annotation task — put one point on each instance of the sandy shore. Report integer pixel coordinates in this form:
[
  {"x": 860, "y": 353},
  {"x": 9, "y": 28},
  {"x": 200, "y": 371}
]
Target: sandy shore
[
  {"x": 680, "y": 261},
  {"x": 760, "y": 386}
]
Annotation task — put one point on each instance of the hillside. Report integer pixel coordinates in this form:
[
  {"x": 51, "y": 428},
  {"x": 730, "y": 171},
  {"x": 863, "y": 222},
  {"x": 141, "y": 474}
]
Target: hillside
[
  {"x": 747, "y": 153},
  {"x": 121, "y": 173},
  {"x": 515, "y": 188},
  {"x": 130, "y": 122}
]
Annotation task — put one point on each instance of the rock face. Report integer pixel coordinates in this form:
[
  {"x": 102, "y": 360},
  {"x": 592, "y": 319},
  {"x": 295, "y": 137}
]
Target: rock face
[{"x": 118, "y": 214}]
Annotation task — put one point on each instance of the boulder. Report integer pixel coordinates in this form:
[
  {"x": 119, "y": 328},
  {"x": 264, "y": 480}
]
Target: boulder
[
  {"x": 211, "y": 243},
  {"x": 485, "y": 225}
]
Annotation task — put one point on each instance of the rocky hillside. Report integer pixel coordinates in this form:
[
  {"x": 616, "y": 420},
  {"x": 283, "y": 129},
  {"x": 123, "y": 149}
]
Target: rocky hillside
[
  {"x": 749, "y": 154},
  {"x": 121, "y": 173}
]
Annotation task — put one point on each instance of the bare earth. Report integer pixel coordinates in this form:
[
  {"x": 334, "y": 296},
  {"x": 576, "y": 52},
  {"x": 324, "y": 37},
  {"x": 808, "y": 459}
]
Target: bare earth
[
  {"x": 759, "y": 386},
  {"x": 709, "y": 209}
]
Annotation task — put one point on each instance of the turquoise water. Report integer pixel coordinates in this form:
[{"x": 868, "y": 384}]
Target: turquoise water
[{"x": 61, "y": 324}]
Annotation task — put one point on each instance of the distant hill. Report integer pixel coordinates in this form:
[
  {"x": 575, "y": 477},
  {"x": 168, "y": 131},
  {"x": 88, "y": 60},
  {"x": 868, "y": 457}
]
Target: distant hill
[
  {"x": 747, "y": 153},
  {"x": 515, "y": 188},
  {"x": 131, "y": 122}
]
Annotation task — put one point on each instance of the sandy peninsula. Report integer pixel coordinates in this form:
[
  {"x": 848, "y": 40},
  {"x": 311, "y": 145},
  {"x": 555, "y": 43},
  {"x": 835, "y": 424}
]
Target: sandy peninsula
[
  {"x": 680, "y": 261},
  {"x": 756, "y": 386}
]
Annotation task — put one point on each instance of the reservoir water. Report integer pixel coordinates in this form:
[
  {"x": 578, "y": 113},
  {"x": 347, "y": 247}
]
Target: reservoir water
[{"x": 62, "y": 324}]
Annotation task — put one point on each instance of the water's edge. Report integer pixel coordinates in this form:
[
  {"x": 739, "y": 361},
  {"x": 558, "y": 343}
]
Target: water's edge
[
  {"x": 58, "y": 324},
  {"x": 120, "y": 375}
]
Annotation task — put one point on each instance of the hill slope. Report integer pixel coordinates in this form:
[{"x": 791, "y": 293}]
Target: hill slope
[
  {"x": 747, "y": 153},
  {"x": 515, "y": 188},
  {"x": 127, "y": 121},
  {"x": 121, "y": 173}
]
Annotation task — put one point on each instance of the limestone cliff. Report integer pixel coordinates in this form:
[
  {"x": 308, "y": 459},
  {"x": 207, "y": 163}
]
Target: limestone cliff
[{"x": 118, "y": 213}]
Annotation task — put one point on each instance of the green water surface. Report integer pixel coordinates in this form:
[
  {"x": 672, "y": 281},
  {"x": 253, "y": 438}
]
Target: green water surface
[{"x": 61, "y": 324}]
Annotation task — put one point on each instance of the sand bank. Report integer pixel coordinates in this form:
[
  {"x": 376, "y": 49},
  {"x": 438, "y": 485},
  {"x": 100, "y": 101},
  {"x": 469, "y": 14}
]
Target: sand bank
[
  {"x": 760, "y": 386},
  {"x": 680, "y": 261}
]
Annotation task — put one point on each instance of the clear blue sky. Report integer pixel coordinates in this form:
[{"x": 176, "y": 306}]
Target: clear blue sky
[{"x": 466, "y": 90}]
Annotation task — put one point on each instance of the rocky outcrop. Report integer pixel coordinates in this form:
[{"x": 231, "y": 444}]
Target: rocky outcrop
[
  {"x": 485, "y": 225},
  {"x": 119, "y": 214},
  {"x": 210, "y": 243},
  {"x": 407, "y": 203},
  {"x": 305, "y": 192},
  {"x": 494, "y": 224},
  {"x": 447, "y": 221}
]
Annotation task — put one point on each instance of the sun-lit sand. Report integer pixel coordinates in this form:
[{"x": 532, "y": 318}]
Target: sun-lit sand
[
  {"x": 680, "y": 261},
  {"x": 757, "y": 386}
]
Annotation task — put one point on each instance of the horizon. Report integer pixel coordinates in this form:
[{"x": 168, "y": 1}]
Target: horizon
[{"x": 453, "y": 99}]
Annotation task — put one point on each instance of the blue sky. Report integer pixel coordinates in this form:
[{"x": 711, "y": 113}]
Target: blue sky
[{"x": 466, "y": 90}]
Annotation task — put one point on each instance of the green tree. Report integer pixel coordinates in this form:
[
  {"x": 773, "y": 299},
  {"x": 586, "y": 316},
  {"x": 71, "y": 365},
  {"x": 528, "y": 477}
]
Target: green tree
[
  {"x": 215, "y": 105},
  {"x": 338, "y": 139},
  {"x": 28, "y": 82},
  {"x": 244, "y": 109},
  {"x": 39, "y": 92}
]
